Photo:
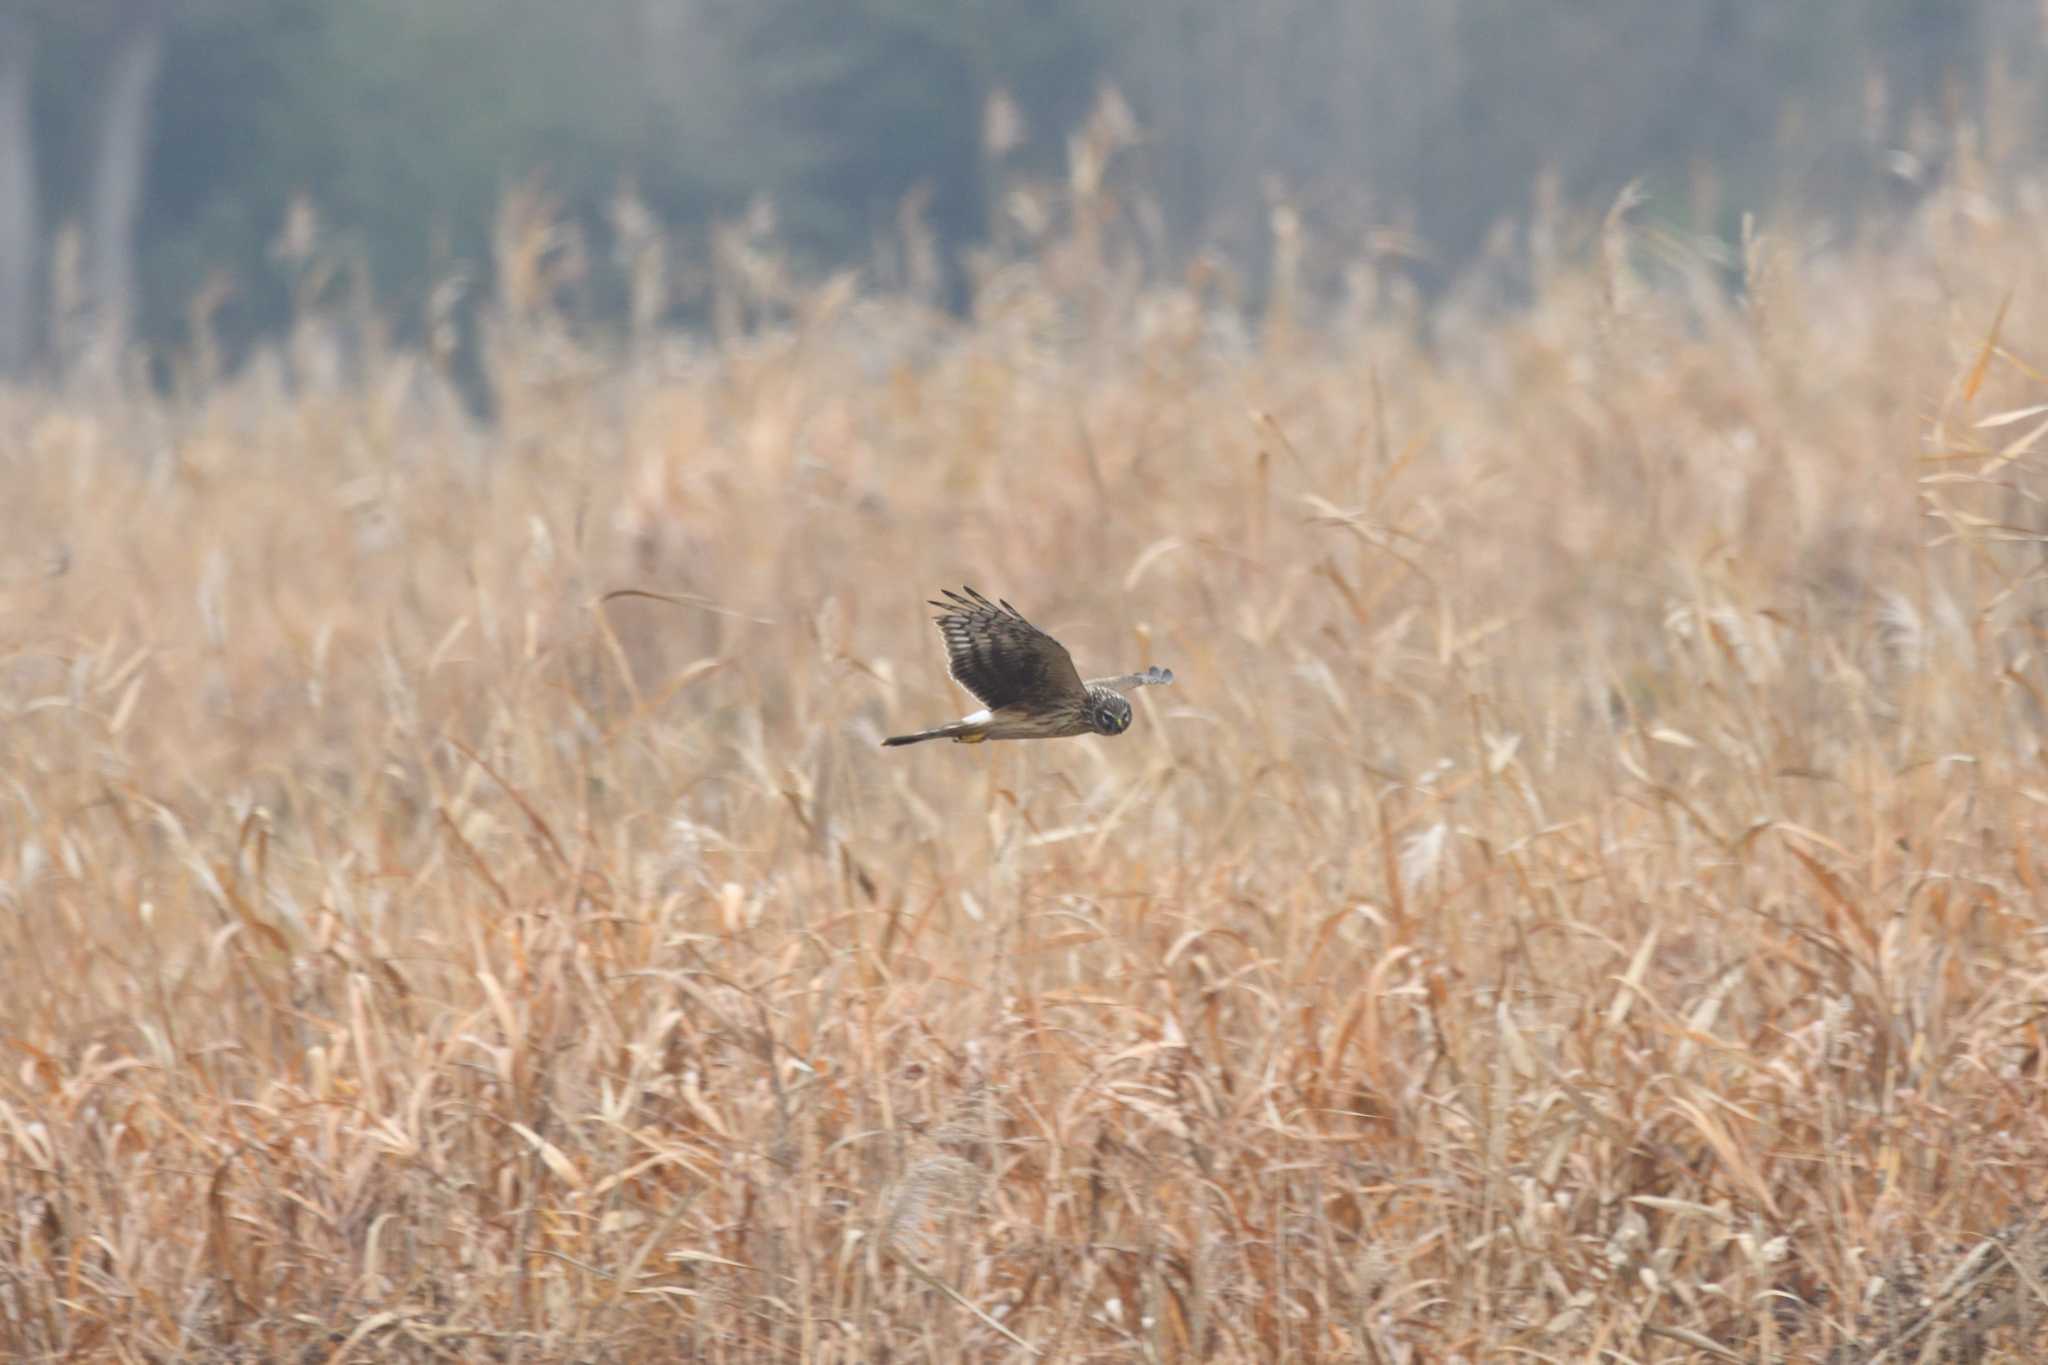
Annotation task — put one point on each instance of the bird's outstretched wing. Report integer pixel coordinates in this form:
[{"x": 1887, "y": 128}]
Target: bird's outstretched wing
[
  {"x": 1002, "y": 658},
  {"x": 1154, "y": 676}
]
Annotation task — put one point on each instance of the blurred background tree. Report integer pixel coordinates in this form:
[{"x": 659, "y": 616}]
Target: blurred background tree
[
  {"x": 20, "y": 220},
  {"x": 149, "y": 148}
]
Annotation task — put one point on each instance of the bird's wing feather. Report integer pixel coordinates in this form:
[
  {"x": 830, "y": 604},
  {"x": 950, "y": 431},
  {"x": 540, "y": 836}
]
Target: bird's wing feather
[
  {"x": 1000, "y": 657},
  {"x": 1154, "y": 676}
]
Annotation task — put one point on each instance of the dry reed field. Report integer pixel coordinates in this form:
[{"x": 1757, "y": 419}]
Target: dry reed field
[{"x": 1581, "y": 901}]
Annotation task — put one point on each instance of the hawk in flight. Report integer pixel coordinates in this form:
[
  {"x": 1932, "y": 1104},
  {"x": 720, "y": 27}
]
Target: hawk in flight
[{"x": 1025, "y": 680}]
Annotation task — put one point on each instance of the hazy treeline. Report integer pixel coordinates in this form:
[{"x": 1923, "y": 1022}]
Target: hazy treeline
[{"x": 149, "y": 148}]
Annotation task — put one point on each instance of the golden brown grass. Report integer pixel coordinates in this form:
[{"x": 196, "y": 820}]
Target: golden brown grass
[{"x": 1583, "y": 899}]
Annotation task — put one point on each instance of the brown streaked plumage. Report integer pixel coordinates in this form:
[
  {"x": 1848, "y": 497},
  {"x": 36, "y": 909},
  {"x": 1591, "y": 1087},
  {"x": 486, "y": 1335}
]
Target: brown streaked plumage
[{"x": 1024, "y": 678}]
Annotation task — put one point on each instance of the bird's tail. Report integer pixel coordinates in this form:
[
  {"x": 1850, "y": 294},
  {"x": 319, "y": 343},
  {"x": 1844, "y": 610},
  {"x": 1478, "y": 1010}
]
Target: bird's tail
[{"x": 954, "y": 731}]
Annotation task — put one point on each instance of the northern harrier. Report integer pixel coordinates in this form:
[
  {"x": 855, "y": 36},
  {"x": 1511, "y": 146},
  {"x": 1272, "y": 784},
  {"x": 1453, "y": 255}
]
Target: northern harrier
[{"x": 1024, "y": 678}]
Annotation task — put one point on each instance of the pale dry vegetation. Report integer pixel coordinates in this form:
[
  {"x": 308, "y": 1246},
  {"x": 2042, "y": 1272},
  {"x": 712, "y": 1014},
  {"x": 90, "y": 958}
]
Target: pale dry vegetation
[{"x": 1582, "y": 900}]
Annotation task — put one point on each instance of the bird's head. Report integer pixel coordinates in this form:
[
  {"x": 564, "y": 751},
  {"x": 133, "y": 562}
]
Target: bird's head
[{"x": 1108, "y": 712}]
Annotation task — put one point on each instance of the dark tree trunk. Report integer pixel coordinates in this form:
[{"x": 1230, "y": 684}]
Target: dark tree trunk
[
  {"x": 120, "y": 163},
  {"x": 18, "y": 210}
]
